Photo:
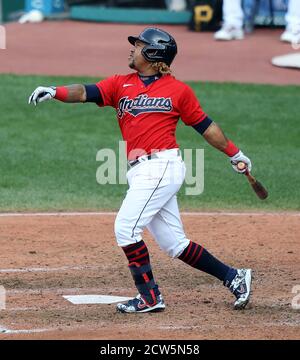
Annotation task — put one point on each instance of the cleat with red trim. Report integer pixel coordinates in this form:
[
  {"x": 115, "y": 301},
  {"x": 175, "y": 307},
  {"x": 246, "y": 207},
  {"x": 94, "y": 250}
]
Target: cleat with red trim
[
  {"x": 241, "y": 288},
  {"x": 138, "y": 305}
]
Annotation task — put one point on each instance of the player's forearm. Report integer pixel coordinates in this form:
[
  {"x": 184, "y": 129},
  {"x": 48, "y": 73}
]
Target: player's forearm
[
  {"x": 71, "y": 93},
  {"x": 215, "y": 137}
]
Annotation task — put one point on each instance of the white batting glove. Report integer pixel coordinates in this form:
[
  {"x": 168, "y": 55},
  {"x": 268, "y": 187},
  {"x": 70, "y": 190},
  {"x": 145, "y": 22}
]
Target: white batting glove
[
  {"x": 41, "y": 94},
  {"x": 240, "y": 157}
]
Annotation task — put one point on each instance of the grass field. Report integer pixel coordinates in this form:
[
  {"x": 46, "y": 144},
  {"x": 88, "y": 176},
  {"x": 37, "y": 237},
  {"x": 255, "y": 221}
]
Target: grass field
[{"x": 48, "y": 153}]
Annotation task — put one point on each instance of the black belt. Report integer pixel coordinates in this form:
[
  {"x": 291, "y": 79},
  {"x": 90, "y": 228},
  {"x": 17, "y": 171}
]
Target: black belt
[{"x": 132, "y": 163}]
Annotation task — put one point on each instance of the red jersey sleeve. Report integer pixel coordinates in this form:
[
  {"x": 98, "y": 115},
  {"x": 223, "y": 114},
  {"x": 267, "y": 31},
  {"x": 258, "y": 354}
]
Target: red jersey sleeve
[
  {"x": 190, "y": 109},
  {"x": 108, "y": 89}
]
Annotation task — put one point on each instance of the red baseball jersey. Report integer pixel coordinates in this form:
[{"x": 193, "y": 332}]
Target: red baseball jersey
[{"x": 148, "y": 115}]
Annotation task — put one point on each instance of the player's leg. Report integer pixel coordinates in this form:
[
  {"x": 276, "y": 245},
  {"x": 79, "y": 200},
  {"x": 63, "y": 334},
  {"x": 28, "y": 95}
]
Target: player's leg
[
  {"x": 166, "y": 227},
  {"x": 233, "y": 16},
  {"x": 292, "y": 18},
  {"x": 151, "y": 186},
  {"x": 149, "y": 190}
]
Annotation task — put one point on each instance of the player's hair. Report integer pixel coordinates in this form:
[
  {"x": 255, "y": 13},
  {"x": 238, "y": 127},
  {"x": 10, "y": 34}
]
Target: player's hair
[{"x": 161, "y": 67}]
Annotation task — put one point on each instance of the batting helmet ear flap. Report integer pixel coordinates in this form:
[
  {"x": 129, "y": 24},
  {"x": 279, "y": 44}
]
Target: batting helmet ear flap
[{"x": 155, "y": 53}]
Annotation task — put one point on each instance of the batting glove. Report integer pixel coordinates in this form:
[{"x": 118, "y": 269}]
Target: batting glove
[
  {"x": 240, "y": 157},
  {"x": 41, "y": 94}
]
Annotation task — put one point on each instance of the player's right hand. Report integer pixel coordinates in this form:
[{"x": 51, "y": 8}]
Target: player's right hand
[
  {"x": 240, "y": 157},
  {"x": 41, "y": 94}
]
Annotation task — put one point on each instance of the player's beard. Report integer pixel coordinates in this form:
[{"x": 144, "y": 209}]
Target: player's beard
[{"x": 131, "y": 64}]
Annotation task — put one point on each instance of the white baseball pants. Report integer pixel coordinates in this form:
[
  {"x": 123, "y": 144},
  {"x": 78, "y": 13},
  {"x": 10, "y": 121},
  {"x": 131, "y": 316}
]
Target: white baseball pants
[
  {"x": 292, "y": 16},
  {"x": 151, "y": 202},
  {"x": 233, "y": 15}
]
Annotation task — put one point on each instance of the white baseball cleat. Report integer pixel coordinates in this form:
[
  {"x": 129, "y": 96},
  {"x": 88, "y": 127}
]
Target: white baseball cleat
[
  {"x": 138, "y": 305},
  {"x": 227, "y": 33},
  {"x": 241, "y": 288},
  {"x": 292, "y": 37}
]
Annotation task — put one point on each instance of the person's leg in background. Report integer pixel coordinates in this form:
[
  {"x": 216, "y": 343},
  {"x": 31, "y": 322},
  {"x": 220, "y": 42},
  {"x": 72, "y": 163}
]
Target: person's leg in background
[
  {"x": 233, "y": 16},
  {"x": 176, "y": 5},
  {"x": 292, "y": 18}
]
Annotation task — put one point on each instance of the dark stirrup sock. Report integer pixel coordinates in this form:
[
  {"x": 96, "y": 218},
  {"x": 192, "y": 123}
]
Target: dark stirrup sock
[
  {"x": 137, "y": 252},
  {"x": 140, "y": 268},
  {"x": 199, "y": 258}
]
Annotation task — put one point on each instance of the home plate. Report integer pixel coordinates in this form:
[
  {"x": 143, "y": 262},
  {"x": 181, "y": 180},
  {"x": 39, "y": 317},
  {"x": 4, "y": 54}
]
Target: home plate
[{"x": 95, "y": 299}]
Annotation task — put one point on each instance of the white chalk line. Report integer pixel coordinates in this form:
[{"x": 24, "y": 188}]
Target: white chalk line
[
  {"x": 6, "y": 331},
  {"x": 58, "y": 291},
  {"x": 32, "y": 308},
  {"x": 203, "y": 326},
  {"x": 191, "y": 327},
  {"x": 183, "y": 213},
  {"x": 47, "y": 269}
]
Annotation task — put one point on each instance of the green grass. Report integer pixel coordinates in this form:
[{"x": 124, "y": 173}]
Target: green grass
[{"x": 48, "y": 153}]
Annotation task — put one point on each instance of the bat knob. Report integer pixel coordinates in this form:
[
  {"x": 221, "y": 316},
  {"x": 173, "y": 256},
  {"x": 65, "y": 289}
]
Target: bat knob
[{"x": 241, "y": 166}]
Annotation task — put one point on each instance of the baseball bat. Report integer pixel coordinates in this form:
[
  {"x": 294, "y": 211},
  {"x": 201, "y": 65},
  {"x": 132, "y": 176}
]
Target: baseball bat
[{"x": 258, "y": 188}]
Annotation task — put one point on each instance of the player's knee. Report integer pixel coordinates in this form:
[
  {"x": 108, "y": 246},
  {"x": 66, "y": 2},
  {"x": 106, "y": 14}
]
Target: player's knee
[
  {"x": 120, "y": 230},
  {"x": 175, "y": 250},
  {"x": 124, "y": 232}
]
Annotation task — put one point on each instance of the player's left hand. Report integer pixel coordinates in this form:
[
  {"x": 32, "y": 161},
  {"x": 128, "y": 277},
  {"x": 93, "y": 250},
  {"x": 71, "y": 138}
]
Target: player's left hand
[
  {"x": 240, "y": 157},
  {"x": 41, "y": 94}
]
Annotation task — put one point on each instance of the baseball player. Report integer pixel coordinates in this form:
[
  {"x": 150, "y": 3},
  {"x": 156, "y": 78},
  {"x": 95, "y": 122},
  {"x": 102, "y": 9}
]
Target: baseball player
[{"x": 149, "y": 103}]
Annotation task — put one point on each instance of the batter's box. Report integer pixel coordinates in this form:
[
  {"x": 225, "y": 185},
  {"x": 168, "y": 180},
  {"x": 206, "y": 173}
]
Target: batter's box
[{"x": 95, "y": 299}]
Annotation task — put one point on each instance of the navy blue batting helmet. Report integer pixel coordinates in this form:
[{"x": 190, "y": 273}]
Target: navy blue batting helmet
[{"x": 160, "y": 46}]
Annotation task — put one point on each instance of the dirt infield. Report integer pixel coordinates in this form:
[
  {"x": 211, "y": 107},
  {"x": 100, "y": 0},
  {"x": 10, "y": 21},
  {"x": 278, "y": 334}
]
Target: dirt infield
[
  {"x": 45, "y": 257},
  {"x": 78, "y": 48}
]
